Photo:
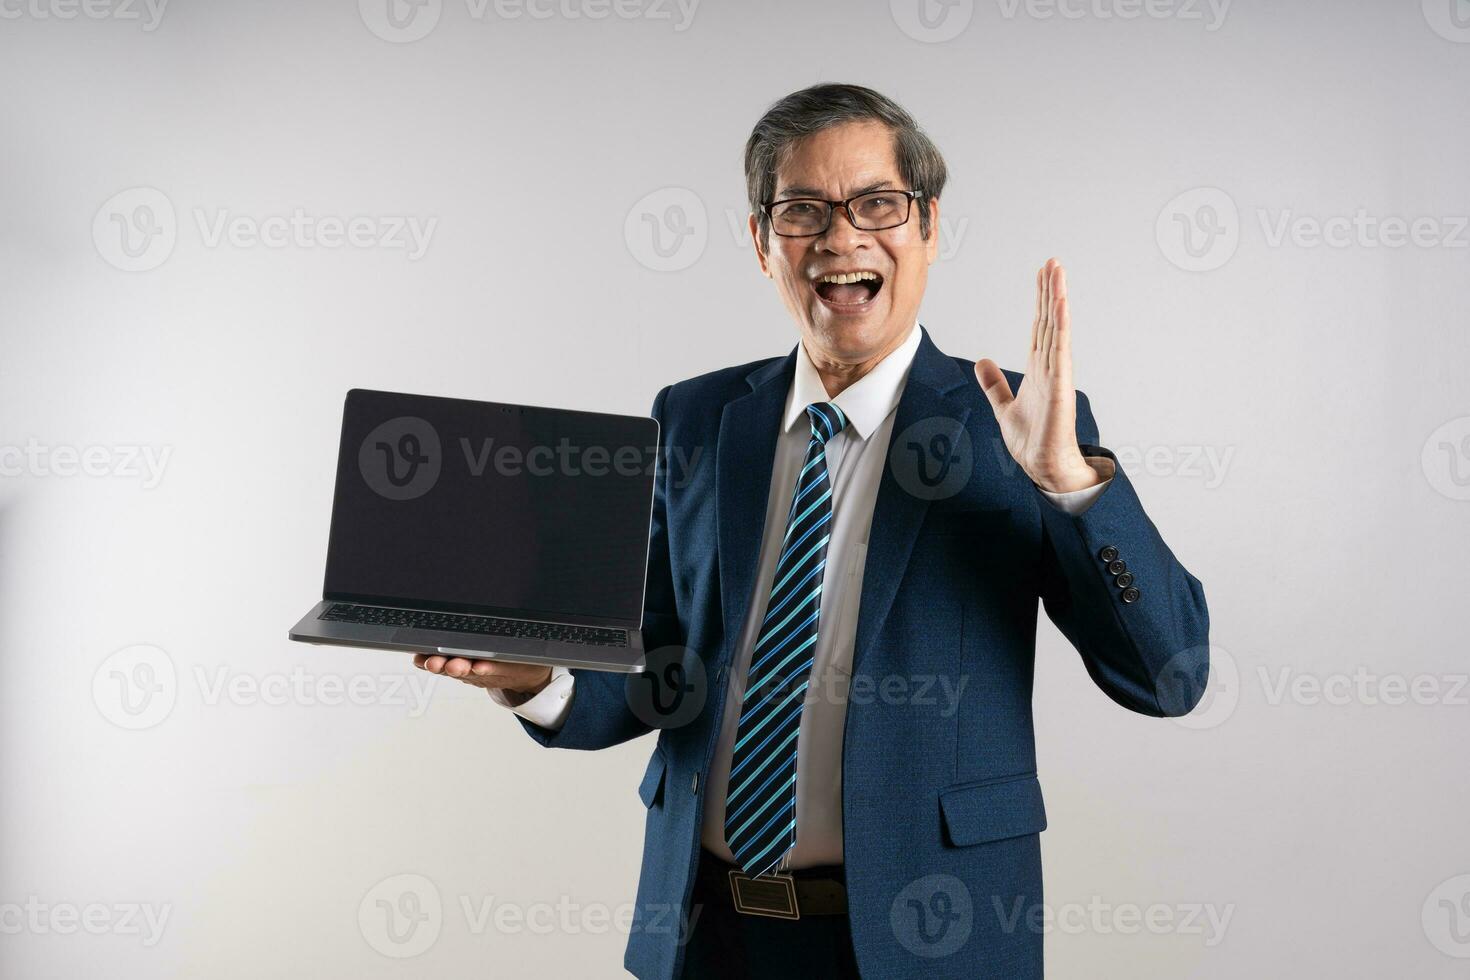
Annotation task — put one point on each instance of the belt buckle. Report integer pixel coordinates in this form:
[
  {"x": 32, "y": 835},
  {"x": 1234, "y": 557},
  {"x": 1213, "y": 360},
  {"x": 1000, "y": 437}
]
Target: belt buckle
[{"x": 772, "y": 895}]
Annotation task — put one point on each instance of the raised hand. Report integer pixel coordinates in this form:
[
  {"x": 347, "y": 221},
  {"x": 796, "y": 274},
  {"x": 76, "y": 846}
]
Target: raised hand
[{"x": 1039, "y": 425}]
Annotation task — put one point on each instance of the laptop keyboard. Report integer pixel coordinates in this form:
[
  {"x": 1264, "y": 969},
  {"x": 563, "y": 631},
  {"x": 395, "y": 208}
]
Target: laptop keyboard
[{"x": 342, "y": 612}]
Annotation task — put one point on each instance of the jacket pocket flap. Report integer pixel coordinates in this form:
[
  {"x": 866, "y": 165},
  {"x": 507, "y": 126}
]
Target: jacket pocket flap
[
  {"x": 651, "y": 788},
  {"x": 993, "y": 810}
]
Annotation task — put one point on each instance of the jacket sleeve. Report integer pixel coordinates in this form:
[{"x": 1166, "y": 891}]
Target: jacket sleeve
[
  {"x": 1142, "y": 627},
  {"x": 600, "y": 713}
]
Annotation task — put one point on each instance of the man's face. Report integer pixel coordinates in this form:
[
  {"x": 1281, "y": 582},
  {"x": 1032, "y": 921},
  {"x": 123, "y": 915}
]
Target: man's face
[{"x": 856, "y": 322}]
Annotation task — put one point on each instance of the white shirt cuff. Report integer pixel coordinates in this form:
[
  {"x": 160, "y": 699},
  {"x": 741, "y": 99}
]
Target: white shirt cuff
[
  {"x": 1074, "y": 502},
  {"x": 549, "y": 708}
]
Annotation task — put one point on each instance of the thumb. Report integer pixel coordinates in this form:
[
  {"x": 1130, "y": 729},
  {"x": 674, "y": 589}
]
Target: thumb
[{"x": 993, "y": 382}]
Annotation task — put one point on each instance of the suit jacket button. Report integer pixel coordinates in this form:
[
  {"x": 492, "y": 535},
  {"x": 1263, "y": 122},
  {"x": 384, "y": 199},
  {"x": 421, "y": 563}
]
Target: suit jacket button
[
  {"x": 1131, "y": 594},
  {"x": 1124, "y": 580},
  {"x": 1108, "y": 553},
  {"x": 1117, "y": 566}
]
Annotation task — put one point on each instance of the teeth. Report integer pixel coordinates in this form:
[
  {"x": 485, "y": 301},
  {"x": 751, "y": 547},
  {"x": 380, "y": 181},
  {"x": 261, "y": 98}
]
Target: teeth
[{"x": 847, "y": 277}]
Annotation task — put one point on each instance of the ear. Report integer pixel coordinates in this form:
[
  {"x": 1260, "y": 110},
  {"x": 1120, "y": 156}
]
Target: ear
[
  {"x": 931, "y": 247},
  {"x": 760, "y": 255}
]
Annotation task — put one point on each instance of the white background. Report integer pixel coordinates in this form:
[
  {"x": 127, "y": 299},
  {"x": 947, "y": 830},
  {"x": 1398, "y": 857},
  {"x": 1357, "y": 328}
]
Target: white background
[{"x": 1328, "y": 381}]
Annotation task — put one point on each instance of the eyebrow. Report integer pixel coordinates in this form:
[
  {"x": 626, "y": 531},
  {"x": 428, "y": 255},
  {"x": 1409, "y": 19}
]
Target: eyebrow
[{"x": 879, "y": 185}]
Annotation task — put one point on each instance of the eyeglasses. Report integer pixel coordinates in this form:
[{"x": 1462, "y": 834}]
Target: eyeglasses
[{"x": 803, "y": 217}]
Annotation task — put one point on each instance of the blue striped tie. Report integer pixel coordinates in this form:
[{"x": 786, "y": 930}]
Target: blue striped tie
[{"x": 760, "y": 802}]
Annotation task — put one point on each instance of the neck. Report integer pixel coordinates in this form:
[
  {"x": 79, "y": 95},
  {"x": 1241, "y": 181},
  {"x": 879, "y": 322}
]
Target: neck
[{"x": 837, "y": 376}]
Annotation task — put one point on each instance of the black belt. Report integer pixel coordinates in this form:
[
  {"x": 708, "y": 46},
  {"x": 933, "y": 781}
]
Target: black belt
[{"x": 784, "y": 895}]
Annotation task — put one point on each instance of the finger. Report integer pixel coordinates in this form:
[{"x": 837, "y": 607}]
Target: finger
[
  {"x": 1062, "y": 344},
  {"x": 1036, "y": 317},
  {"x": 1045, "y": 328},
  {"x": 434, "y": 664},
  {"x": 457, "y": 667},
  {"x": 993, "y": 382},
  {"x": 419, "y": 658},
  {"x": 1048, "y": 327}
]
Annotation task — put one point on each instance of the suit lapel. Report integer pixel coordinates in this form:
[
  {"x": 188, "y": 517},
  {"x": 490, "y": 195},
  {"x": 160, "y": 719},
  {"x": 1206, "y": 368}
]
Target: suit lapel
[
  {"x": 749, "y": 428},
  {"x": 898, "y": 513}
]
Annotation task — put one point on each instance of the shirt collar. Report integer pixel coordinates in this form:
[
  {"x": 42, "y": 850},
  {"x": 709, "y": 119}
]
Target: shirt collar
[{"x": 867, "y": 402}]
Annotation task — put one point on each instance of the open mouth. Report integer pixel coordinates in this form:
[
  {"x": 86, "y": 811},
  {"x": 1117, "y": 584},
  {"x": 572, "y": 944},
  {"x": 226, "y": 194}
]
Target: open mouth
[{"x": 848, "y": 292}]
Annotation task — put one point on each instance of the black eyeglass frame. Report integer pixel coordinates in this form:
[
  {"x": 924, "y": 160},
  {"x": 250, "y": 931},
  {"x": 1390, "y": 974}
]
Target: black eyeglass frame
[{"x": 832, "y": 206}]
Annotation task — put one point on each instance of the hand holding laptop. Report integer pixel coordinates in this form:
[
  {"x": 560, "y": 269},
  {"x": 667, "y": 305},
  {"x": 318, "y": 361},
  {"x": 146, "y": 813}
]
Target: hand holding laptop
[{"x": 516, "y": 680}]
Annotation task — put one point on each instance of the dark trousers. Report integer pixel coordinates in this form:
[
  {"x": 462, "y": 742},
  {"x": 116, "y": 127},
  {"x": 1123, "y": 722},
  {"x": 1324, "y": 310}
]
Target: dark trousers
[{"x": 729, "y": 945}]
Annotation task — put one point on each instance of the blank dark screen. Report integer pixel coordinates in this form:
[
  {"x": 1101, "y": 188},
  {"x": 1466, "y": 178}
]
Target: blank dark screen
[{"x": 535, "y": 511}]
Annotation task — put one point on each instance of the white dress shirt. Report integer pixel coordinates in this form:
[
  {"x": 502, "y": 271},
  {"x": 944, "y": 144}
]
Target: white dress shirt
[{"x": 855, "y": 460}]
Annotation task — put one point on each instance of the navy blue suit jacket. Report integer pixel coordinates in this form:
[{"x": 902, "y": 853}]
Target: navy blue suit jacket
[{"x": 940, "y": 802}]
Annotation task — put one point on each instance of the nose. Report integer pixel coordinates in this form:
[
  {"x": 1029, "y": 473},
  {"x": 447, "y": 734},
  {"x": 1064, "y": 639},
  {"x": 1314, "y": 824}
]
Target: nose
[{"x": 841, "y": 235}]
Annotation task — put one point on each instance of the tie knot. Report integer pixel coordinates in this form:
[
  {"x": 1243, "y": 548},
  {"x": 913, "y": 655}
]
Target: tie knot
[{"x": 827, "y": 420}]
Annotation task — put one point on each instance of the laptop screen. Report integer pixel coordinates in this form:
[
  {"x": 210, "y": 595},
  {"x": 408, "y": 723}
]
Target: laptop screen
[{"x": 478, "y": 507}]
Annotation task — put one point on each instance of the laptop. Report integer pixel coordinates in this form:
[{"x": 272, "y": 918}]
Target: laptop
[{"x": 489, "y": 531}]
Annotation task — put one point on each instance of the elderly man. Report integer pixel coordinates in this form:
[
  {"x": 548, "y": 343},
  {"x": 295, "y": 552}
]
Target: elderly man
[{"x": 851, "y": 591}]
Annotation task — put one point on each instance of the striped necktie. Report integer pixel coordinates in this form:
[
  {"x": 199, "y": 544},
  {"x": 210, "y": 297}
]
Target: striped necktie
[{"x": 760, "y": 801}]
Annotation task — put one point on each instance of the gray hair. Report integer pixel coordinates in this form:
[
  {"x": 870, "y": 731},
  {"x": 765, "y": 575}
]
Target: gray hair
[{"x": 811, "y": 110}]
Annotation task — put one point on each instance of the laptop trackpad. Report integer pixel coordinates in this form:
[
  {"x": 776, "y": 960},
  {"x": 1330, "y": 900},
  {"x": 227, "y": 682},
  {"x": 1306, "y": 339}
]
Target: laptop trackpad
[{"x": 510, "y": 646}]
